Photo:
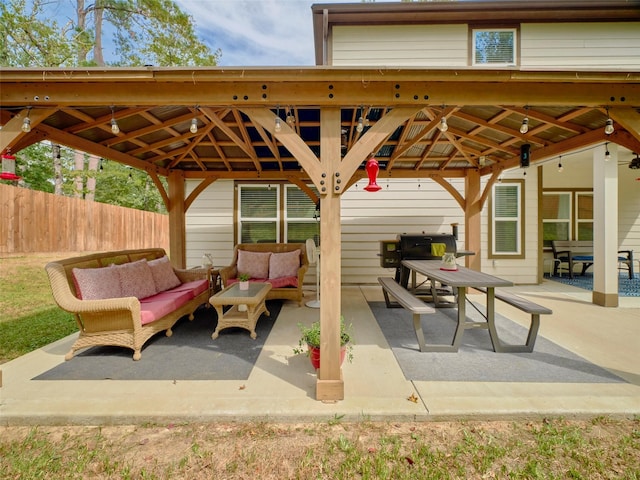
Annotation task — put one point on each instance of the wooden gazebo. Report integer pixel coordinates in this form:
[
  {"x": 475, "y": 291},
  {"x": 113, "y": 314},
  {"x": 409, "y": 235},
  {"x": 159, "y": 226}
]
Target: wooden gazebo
[{"x": 236, "y": 111}]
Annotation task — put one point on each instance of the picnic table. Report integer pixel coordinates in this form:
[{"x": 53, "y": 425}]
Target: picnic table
[{"x": 464, "y": 278}]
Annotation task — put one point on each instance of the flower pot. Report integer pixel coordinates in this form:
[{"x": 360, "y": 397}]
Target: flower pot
[
  {"x": 244, "y": 285},
  {"x": 314, "y": 355}
]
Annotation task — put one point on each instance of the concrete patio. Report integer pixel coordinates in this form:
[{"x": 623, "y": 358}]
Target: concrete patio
[{"x": 282, "y": 385}]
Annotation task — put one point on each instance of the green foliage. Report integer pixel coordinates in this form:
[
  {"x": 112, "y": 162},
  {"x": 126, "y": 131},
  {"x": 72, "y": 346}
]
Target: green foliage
[
  {"x": 117, "y": 184},
  {"x": 33, "y": 39},
  {"x": 310, "y": 336},
  {"x": 155, "y": 32}
]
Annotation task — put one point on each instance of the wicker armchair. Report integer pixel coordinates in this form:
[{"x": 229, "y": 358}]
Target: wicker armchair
[{"x": 230, "y": 273}]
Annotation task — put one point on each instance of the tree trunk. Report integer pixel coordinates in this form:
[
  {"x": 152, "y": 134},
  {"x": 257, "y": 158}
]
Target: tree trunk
[
  {"x": 78, "y": 157},
  {"x": 97, "y": 46},
  {"x": 94, "y": 161},
  {"x": 57, "y": 170}
]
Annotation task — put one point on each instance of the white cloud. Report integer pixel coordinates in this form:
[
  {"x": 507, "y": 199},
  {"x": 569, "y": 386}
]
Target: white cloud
[{"x": 256, "y": 32}]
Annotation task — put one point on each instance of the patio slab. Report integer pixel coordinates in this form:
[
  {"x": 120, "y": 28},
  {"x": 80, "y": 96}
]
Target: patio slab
[{"x": 281, "y": 386}]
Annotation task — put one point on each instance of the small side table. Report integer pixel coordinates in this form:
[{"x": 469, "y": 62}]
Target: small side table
[{"x": 254, "y": 299}]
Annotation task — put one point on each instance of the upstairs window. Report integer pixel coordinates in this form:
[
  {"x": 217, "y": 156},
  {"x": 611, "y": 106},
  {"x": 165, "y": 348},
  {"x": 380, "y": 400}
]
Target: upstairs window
[{"x": 494, "y": 47}]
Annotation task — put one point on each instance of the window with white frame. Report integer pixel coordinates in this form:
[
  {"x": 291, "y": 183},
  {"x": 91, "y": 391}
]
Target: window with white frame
[
  {"x": 273, "y": 212},
  {"x": 584, "y": 216},
  {"x": 494, "y": 47},
  {"x": 556, "y": 217},
  {"x": 567, "y": 215},
  {"x": 505, "y": 220}
]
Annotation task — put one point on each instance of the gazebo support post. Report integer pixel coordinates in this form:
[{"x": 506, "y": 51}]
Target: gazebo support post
[
  {"x": 472, "y": 217},
  {"x": 177, "y": 222},
  {"x": 330, "y": 384}
]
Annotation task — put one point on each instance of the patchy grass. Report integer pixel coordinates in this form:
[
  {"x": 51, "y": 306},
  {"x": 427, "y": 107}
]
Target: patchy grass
[{"x": 598, "y": 449}]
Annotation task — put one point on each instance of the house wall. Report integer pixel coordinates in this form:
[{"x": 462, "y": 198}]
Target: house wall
[
  {"x": 402, "y": 206},
  {"x": 578, "y": 173},
  {"x": 580, "y": 45},
  {"x": 209, "y": 223},
  {"x": 519, "y": 270},
  {"x": 563, "y": 46},
  {"x": 403, "y": 45}
]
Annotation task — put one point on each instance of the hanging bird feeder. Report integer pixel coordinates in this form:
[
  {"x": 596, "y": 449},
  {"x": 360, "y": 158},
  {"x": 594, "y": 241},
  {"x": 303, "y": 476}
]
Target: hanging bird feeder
[
  {"x": 372, "y": 169},
  {"x": 9, "y": 167}
]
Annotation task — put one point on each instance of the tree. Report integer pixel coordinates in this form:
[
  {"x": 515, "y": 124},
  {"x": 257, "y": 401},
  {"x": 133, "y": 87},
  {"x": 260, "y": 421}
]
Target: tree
[{"x": 155, "y": 32}]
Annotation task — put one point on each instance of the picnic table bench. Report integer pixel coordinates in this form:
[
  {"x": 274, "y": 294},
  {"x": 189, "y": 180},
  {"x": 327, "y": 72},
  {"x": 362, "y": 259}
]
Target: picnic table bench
[
  {"x": 526, "y": 306},
  {"x": 572, "y": 252},
  {"x": 408, "y": 301}
]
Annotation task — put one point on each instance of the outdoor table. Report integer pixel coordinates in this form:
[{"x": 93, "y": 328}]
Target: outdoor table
[
  {"x": 246, "y": 306},
  {"x": 462, "y": 279}
]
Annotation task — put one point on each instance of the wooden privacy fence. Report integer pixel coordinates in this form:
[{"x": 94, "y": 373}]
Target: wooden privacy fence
[{"x": 34, "y": 221}]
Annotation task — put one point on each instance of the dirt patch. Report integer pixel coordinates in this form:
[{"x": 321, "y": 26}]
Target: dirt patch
[{"x": 598, "y": 448}]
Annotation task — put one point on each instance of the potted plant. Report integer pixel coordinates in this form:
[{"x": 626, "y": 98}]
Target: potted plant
[
  {"x": 311, "y": 339},
  {"x": 244, "y": 281}
]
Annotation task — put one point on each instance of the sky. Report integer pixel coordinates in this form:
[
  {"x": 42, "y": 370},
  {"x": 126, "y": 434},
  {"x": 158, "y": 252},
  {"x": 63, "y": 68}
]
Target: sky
[{"x": 257, "y": 32}]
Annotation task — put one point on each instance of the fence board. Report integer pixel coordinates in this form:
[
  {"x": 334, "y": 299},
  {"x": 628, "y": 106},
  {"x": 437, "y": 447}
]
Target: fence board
[{"x": 33, "y": 221}]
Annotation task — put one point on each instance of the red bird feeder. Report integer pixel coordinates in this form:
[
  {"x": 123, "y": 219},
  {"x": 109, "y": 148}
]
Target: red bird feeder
[
  {"x": 372, "y": 169},
  {"x": 9, "y": 167}
]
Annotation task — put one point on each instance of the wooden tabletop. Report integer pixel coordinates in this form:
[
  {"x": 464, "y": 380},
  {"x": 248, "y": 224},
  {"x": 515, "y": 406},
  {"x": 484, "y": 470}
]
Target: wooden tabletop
[{"x": 463, "y": 277}]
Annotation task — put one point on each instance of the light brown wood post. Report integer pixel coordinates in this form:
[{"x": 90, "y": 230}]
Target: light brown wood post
[
  {"x": 177, "y": 227},
  {"x": 330, "y": 384},
  {"x": 472, "y": 216}
]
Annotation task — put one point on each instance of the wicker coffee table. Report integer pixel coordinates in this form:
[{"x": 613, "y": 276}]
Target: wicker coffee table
[{"x": 253, "y": 299}]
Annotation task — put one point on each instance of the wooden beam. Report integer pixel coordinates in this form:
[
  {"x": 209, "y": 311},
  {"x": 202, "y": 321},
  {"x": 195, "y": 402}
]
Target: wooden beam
[
  {"x": 177, "y": 224},
  {"x": 330, "y": 386},
  {"x": 472, "y": 220},
  {"x": 290, "y": 139},
  {"x": 369, "y": 143}
]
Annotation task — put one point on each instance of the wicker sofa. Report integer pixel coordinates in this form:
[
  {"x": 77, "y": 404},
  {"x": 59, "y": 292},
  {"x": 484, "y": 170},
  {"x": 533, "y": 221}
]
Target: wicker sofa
[
  {"x": 281, "y": 264},
  {"x": 116, "y": 302}
]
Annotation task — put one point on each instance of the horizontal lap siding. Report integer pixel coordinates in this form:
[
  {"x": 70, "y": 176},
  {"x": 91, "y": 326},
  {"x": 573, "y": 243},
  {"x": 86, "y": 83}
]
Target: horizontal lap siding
[
  {"x": 593, "y": 45},
  {"x": 404, "y": 45},
  {"x": 518, "y": 270},
  {"x": 406, "y": 206},
  {"x": 209, "y": 223}
]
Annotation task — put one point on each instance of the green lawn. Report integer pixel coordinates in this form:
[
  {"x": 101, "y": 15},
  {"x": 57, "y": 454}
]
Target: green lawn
[{"x": 29, "y": 317}]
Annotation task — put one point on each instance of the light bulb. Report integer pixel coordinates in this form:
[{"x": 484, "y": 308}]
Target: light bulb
[
  {"x": 291, "y": 120},
  {"x": 360, "y": 125},
  {"x": 278, "y": 126},
  {"x": 26, "y": 125},
  {"x": 607, "y": 156},
  {"x": 560, "y": 168},
  {"x": 442, "y": 126},
  {"x": 608, "y": 127},
  {"x": 524, "y": 128},
  {"x": 194, "y": 125},
  {"x": 115, "y": 129}
]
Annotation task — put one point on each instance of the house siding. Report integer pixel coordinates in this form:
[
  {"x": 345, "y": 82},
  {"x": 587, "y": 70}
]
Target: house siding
[
  {"x": 594, "y": 45},
  {"x": 599, "y": 45},
  {"x": 401, "y": 45},
  {"x": 402, "y": 206},
  {"x": 209, "y": 223}
]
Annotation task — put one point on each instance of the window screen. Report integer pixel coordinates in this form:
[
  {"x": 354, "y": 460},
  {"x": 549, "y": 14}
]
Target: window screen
[
  {"x": 494, "y": 47},
  {"x": 556, "y": 216},
  {"x": 506, "y": 219}
]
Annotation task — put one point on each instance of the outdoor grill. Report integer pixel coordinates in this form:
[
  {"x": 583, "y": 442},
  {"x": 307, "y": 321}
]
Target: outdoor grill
[{"x": 413, "y": 246}]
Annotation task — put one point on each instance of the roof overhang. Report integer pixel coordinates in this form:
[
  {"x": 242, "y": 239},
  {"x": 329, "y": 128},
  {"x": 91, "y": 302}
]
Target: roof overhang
[{"x": 236, "y": 109}]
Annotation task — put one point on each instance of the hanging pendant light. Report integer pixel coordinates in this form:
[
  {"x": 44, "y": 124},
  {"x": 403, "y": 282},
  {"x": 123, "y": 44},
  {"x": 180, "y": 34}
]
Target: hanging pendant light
[
  {"x": 26, "y": 123},
  {"x": 442, "y": 126},
  {"x": 608, "y": 126},
  {"x": 115, "y": 128}
]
